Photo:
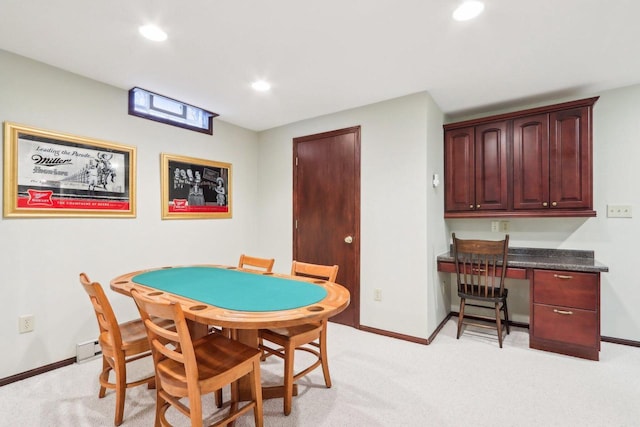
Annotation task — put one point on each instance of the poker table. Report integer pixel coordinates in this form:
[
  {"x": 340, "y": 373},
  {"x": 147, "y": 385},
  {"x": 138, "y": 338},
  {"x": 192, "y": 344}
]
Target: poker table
[{"x": 240, "y": 299}]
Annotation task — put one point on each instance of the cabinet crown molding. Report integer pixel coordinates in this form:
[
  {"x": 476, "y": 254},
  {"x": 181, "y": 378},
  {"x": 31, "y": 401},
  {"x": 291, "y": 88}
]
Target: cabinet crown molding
[{"x": 586, "y": 102}]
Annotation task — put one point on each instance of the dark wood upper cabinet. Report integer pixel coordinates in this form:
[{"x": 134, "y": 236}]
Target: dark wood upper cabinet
[
  {"x": 459, "y": 169},
  {"x": 491, "y": 166},
  {"x": 570, "y": 164},
  {"x": 476, "y": 168},
  {"x": 530, "y": 163}
]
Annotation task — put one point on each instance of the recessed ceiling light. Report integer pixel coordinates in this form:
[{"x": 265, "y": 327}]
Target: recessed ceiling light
[
  {"x": 468, "y": 10},
  {"x": 153, "y": 32},
  {"x": 261, "y": 86}
]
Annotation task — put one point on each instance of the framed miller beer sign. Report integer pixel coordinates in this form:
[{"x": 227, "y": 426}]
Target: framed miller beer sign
[
  {"x": 195, "y": 188},
  {"x": 52, "y": 174}
]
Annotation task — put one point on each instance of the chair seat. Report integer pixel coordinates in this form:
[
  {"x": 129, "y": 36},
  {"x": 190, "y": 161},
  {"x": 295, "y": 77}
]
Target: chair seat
[
  {"x": 292, "y": 331},
  {"x": 228, "y": 355},
  {"x": 134, "y": 336},
  {"x": 478, "y": 293}
]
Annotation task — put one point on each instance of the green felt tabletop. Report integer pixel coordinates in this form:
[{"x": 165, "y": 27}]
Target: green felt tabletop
[{"x": 233, "y": 289}]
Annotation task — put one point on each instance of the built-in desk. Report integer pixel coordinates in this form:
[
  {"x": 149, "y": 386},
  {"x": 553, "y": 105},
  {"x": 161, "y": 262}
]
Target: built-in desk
[{"x": 565, "y": 297}]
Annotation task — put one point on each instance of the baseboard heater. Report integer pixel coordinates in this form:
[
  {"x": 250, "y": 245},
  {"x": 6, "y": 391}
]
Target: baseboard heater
[{"x": 87, "y": 350}]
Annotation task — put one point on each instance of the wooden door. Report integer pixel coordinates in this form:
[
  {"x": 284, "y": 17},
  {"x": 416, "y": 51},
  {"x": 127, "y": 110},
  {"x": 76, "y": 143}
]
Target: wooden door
[
  {"x": 531, "y": 162},
  {"x": 570, "y": 159},
  {"x": 459, "y": 170},
  {"x": 491, "y": 166},
  {"x": 326, "y": 208}
]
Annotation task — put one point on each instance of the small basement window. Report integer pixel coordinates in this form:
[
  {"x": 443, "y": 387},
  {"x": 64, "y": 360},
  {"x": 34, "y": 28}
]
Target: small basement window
[{"x": 153, "y": 106}]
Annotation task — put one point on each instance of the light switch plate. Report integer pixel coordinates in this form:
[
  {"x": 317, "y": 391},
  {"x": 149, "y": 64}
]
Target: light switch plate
[{"x": 619, "y": 211}]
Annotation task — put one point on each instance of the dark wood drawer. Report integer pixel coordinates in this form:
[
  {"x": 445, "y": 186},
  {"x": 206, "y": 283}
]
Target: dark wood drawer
[
  {"x": 574, "y": 326},
  {"x": 512, "y": 272},
  {"x": 566, "y": 288}
]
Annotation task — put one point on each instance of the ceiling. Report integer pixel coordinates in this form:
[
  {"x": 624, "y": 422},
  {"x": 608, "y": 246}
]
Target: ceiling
[{"x": 331, "y": 55}]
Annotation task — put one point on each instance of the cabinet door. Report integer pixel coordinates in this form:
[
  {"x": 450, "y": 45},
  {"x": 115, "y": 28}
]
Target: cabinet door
[
  {"x": 531, "y": 162},
  {"x": 570, "y": 169},
  {"x": 459, "y": 182},
  {"x": 491, "y": 166}
]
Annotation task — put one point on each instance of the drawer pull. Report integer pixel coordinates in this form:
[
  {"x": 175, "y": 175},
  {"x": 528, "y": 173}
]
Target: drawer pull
[
  {"x": 562, "y": 276},
  {"x": 565, "y": 312}
]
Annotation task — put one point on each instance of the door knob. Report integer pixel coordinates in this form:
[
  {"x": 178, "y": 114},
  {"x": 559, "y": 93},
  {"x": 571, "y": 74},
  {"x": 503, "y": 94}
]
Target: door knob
[{"x": 348, "y": 239}]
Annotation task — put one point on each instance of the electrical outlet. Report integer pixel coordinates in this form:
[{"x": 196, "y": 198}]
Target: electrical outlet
[
  {"x": 495, "y": 226},
  {"x": 619, "y": 211},
  {"x": 504, "y": 226},
  {"x": 377, "y": 294},
  {"x": 26, "y": 323}
]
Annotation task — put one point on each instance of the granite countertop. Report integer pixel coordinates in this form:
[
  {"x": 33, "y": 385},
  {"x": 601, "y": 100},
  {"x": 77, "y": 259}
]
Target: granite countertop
[{"x": 549, "y": 259}]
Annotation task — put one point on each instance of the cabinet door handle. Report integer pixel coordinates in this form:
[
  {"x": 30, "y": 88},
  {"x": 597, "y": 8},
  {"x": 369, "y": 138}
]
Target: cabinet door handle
[
  {"x": 562, "y": 276},
  {"x": 565, "y": 312},
  {"x": 470, "y": 206},
  {"x": 545, "y": 204},
  {"x": 554, "y": 203},
  {"x": 478, "y": 206}
]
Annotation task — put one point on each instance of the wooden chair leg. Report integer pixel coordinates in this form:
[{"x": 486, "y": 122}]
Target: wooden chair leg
[
  {"x": 506, "y": 316},
  {"x": 323, "y": 357},
  {"x": 104, "y": 377},
  {"x": 121, "y": 388},
  {"x": 256, "y": 395},
  {"x": 218, "y": 395},
  {"x": 195, "y": 410},
  {"x": 498, "y": 323},
  {"x": 235, "y": 397},
  {"x": 460, "y": 317},
  {"x": 288, "y": 378},
  {"x": 160, "y": 402}
]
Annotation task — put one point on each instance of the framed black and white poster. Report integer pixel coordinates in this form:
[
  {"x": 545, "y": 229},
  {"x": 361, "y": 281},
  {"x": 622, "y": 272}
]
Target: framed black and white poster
[{"x": 195, "y": 188}]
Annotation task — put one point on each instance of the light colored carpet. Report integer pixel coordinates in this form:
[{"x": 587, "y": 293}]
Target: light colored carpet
[{"x": 380, "y": 381}]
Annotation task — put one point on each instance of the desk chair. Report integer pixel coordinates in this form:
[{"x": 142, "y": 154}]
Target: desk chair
[
  {"x": 310, "y": 337},
  {"x": 250, "y": 263},
  {"x": 186, "y": 368},
  {"x": 480, "y": 270},
  {"x": 121, "y": 343}
]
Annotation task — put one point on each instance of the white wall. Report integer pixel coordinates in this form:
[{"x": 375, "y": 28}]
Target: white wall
[
  {"x": 439, "y": 296},
  {"x": 40, "y": 258},
  {"x": 616, "y": 173},
  {"x": 395, "y": 256},
  {"x": 401, "y": 213}
]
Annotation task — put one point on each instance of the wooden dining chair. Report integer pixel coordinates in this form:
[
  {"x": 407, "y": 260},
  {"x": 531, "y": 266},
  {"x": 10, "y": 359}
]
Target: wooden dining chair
[
  {"x": 481, "y": 267},
  {"x": 254, "y": 263},
  {"x": 191, "y": 369},
  {"x": 309, "y": 337},
  {"x": 121, "y": 343},
  {"x": 250, "y": 263}
]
